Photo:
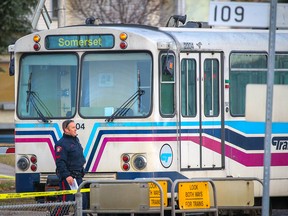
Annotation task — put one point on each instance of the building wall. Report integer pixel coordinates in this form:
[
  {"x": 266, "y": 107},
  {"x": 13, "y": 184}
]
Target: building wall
[
  {"x": 7, "y": 101},
  {"x": 197, "y": 10},
  {"x": 70, "y": 18},
  {"x": 41, "y": 23}
]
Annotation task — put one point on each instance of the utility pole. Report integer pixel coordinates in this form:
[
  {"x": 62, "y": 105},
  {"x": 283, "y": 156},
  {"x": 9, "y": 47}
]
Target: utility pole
[
  {"x": 269, "y": 105},
  {"x": 181, "y": 9},
  {"x": 61, "y": 13}
]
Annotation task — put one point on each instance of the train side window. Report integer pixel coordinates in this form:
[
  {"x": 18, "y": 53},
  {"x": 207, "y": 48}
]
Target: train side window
[
  {"x": 167, "y": 84},
  {"x": 188, "y": 87},
  {"x": 245, "y": 68},
  {"x": 281, "y": 69},
  {"x": 211, "y": 87}
]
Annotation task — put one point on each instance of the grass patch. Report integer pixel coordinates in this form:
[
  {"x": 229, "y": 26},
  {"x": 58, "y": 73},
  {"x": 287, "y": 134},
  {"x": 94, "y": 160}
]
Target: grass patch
[
  {"x": 7, "y": 186},
  {"x": 8, "y": 159}
]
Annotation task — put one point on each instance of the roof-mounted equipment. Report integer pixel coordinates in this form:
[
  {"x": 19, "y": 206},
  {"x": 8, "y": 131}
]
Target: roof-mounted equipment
[
  {"x": 91, "y": 21},
  {"x": 177, "y": 19}
]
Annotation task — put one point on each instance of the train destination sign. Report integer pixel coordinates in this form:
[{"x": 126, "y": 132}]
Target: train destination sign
[
  {"x": 246, "y": 14},
  {"x": 155, "y": 193},
  {"x": 98, "y": 41},
  {"x": 193, "y": 195}
]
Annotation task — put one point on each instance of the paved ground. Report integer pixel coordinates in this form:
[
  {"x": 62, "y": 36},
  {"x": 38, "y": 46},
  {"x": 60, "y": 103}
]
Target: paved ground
[{"x": 6, "y": 171}]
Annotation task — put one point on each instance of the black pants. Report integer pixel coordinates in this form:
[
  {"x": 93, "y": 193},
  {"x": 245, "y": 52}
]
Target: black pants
[{"x": 63, "y": 210}]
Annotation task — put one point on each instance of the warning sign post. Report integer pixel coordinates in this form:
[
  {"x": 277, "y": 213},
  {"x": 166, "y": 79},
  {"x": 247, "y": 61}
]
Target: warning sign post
[
  {"x": 155, "y": 193},
  {"x": 193, "y": 195}
]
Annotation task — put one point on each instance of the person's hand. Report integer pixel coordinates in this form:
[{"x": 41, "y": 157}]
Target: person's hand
[{"x": 70, "y": 180}]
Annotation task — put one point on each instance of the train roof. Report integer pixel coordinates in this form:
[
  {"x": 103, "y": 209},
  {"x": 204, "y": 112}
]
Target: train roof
[
  {"x": 240, "y": 39},
  {"x": 197, "y": 38}
]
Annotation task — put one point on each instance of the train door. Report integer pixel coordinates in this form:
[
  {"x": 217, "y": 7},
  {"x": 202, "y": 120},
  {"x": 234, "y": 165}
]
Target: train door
[{"x": 201, "y": 108}]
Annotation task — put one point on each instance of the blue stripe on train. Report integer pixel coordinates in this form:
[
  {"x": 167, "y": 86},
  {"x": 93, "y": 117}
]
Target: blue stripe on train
[
  {"x": 132, "y": 175},
  {"x": 42, "y": 125}
]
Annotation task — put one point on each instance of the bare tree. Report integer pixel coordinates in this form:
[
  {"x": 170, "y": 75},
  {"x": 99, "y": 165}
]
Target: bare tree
[{"x": 149, "y": 12}]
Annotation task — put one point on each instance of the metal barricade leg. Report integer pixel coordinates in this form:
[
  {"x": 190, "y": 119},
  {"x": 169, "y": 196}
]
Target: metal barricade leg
[{"x": 78, "y": 199}]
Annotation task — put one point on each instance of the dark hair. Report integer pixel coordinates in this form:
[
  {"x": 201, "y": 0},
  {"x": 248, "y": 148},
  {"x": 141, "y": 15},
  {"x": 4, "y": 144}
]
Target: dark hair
[{"x": 66, "y": 123}]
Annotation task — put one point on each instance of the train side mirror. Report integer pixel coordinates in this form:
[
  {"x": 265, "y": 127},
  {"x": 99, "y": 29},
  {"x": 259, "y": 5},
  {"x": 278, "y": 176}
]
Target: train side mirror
[
  {"x": 12, "y": 67},
  {"x": 12, "y": 62}
]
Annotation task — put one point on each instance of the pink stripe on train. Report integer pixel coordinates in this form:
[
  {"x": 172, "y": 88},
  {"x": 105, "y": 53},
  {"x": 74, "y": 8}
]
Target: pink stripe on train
[
  {"x": 37, "y": 140},
  {"x": 246, "y": 159}
]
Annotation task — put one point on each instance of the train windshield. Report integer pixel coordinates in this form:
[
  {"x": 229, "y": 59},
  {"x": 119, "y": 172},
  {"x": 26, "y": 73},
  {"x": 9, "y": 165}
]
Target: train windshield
[
  {"x": 116, "y": 85},
  {"x": 47, "y": 86}
]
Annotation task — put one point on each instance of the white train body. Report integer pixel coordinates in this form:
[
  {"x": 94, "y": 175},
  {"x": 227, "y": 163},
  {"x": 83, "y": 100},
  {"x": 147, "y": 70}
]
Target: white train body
[{"x": 184, "y": 114}]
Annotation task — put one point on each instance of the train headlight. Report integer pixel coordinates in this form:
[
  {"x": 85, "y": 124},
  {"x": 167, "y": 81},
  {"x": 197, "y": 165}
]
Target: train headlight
[
  {"x": 23, "y": 163},
  {"x": 139, "y": 162}
]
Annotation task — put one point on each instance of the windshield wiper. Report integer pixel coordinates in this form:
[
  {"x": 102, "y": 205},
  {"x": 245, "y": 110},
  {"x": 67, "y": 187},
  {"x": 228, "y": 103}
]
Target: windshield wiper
[
  {"x": 124, "y": 108},
  {"x": 34, "y": 99},
  {"x": 28, "y": 93}
]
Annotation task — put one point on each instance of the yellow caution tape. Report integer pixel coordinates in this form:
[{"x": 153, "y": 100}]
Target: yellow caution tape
[
  {"x": 38, "y": 194},
  {"x": 7, "y": 177}
]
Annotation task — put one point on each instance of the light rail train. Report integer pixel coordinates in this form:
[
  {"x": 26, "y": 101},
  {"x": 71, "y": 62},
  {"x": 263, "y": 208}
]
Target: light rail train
[{"x": 148, "y": 102}]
